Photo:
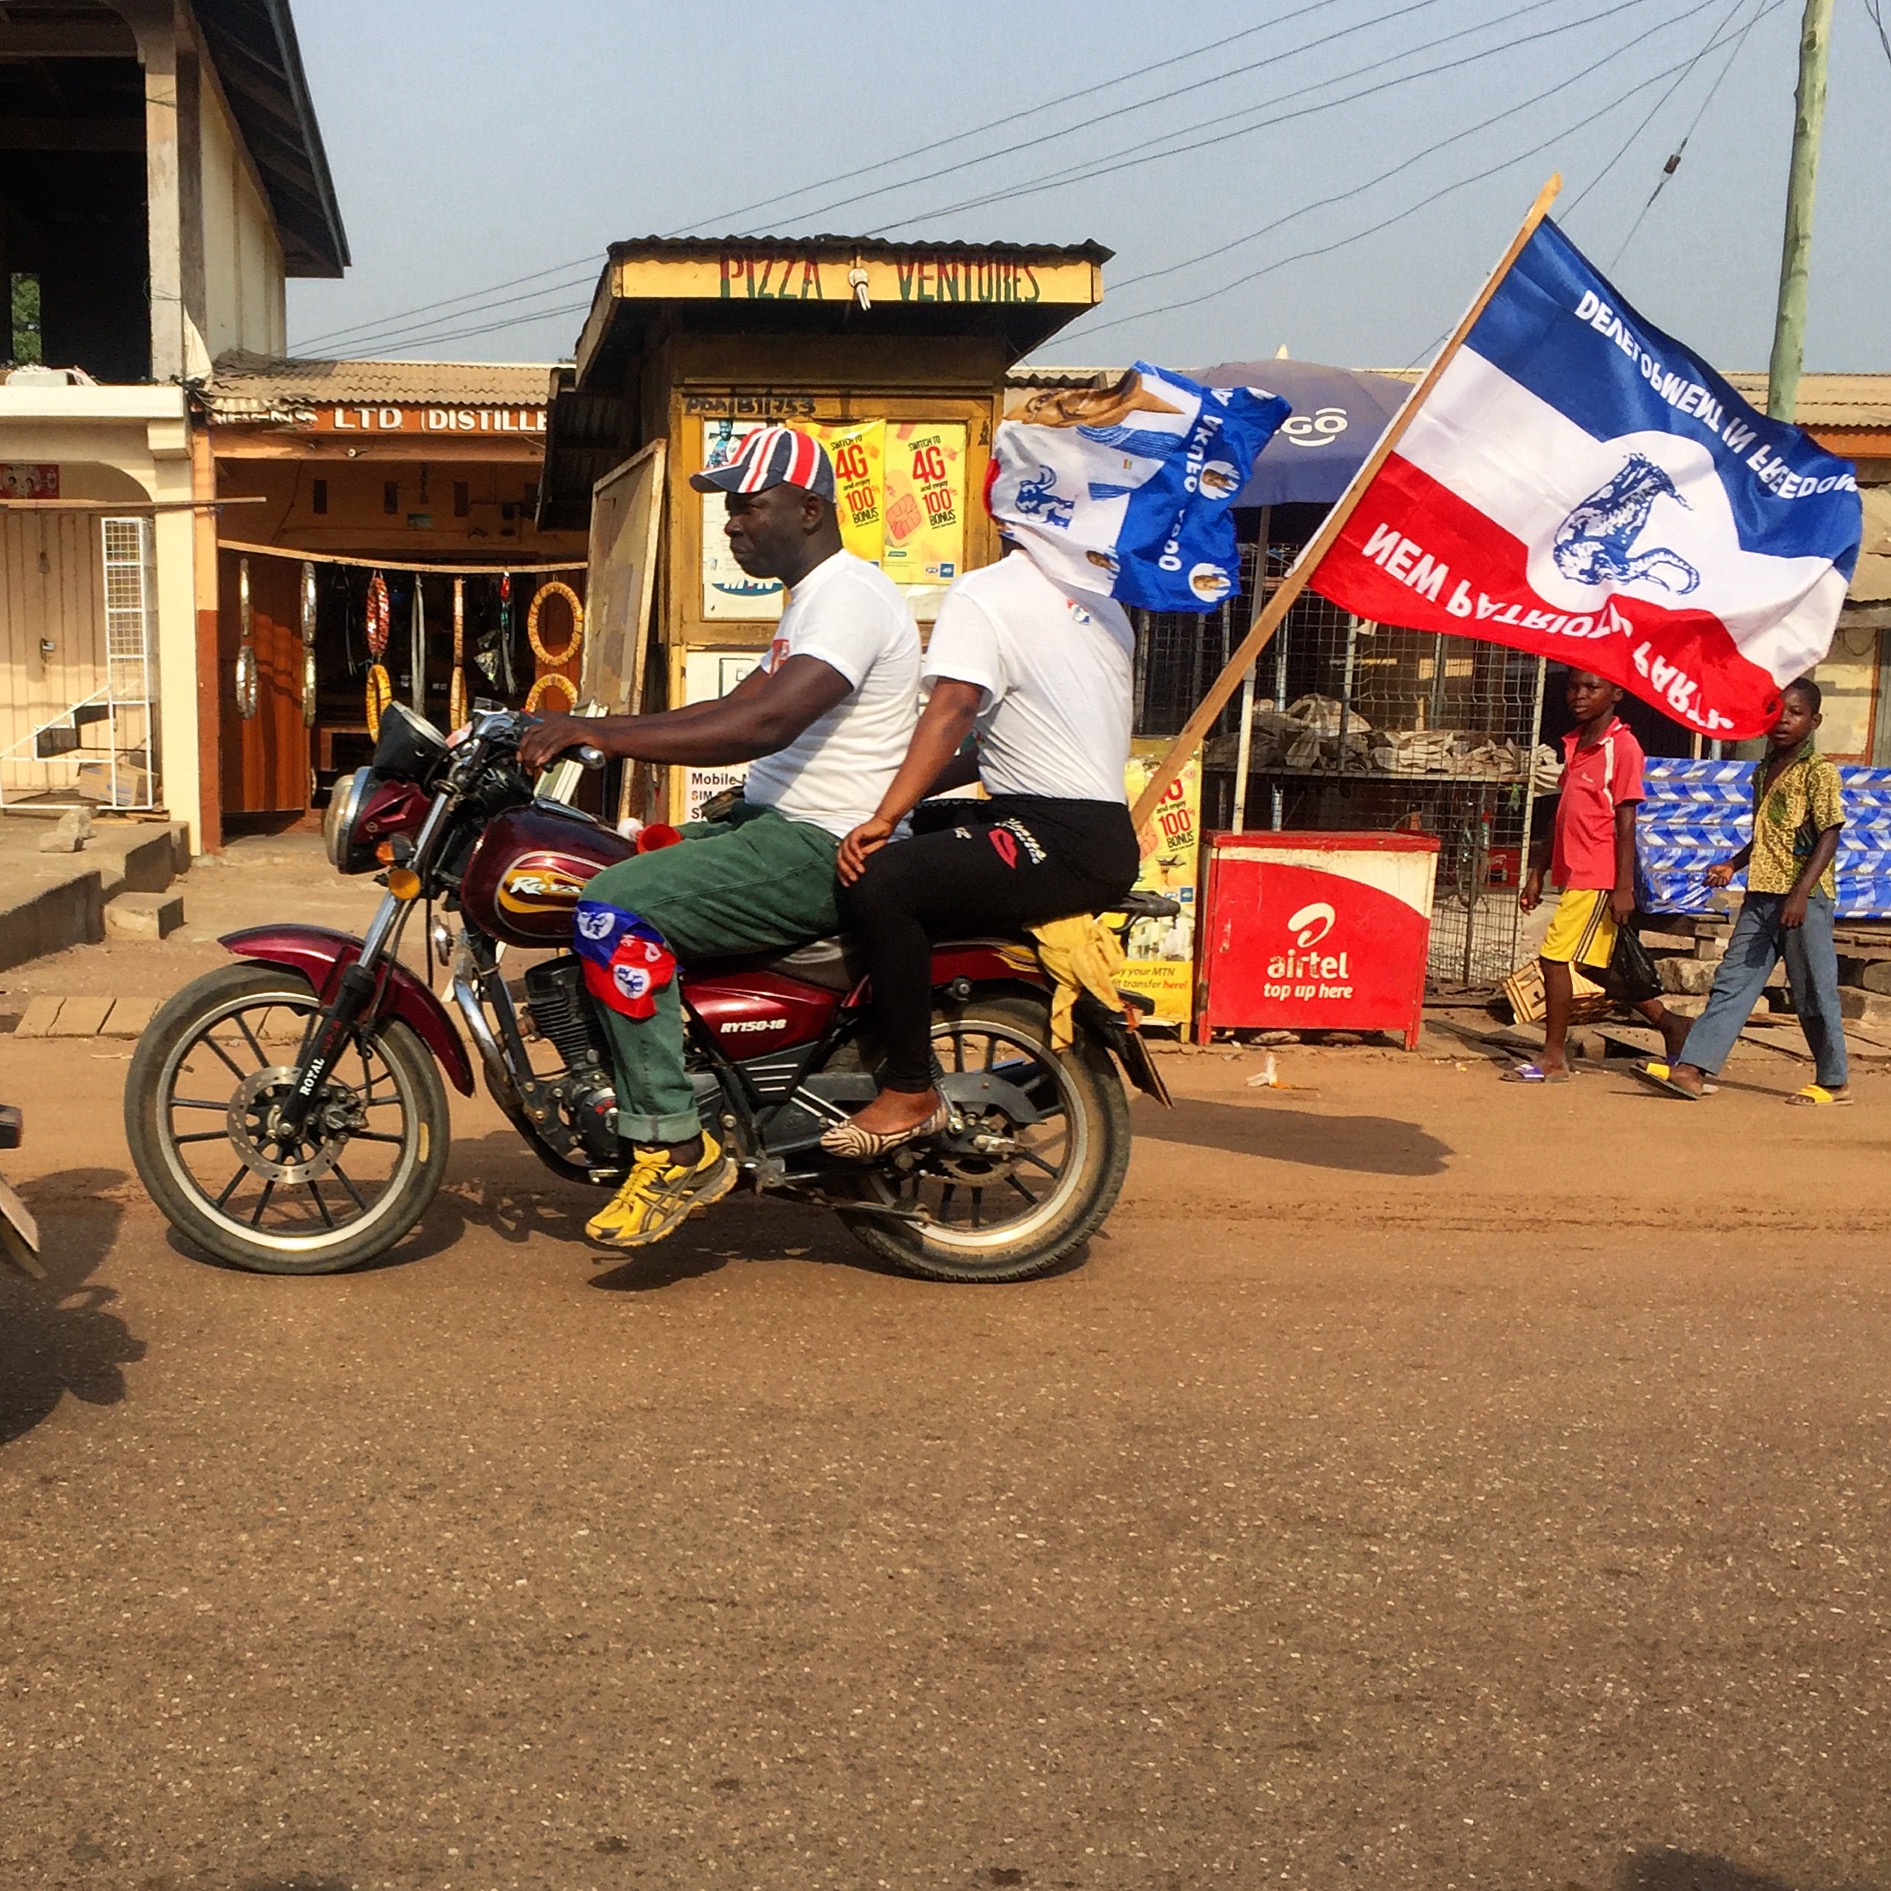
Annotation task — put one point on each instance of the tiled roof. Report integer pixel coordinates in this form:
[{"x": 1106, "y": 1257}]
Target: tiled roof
[
  {"x": 1830, "y": 400},
  {"x": 242, "y": 384},
  {"x": 1825, "y": 400},
  {"x": 1091, "y": 252}
]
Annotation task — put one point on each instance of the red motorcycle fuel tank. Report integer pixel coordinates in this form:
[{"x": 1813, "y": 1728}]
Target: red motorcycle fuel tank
[{"x": 525, "y": 876}]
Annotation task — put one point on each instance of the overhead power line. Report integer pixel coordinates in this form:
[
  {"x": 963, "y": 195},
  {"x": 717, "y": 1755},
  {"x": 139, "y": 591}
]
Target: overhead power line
[
  {"x": 430, "y": 333},
  {"x": 1464, "y": 183},
  {"x": 1223, "y": 248},
  {"x": 1121, "y": 161},
  {"x": 1033, "y": 111},
  {"x": 1438, "y": 341},
  {"x": 1160, "y": 98},
  {"x": 1660, "y": 104},
  {"x": 1674, "y": 162},
  {"x": 1876, "y": 9},
  {"x": 352, "y": 330}
]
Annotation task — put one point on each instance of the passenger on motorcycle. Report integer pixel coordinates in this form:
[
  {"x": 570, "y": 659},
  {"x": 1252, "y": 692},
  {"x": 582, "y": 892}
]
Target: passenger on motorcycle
[
  {"x": 1042, "y": 677},
  {"x": 825, "y": 718}
]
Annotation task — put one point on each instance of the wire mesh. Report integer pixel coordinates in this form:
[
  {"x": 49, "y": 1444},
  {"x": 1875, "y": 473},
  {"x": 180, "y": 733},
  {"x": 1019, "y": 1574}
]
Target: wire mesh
[{"x": 1360, "y": 725}]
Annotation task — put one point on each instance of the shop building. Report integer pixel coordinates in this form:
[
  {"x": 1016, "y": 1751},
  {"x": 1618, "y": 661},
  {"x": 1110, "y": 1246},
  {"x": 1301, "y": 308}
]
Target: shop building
[
  {"x": 425, "y": 474},
  {"x": 161, "y": 174},
  {"x": 895, "y": 354}
]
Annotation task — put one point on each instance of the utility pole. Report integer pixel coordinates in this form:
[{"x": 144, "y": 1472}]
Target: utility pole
[{"x": 1789, "y": 324}]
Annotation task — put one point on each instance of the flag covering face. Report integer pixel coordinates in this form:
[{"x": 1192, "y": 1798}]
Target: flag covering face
[
  {"x": 1126, "y": 490},
  {"x": 1579, "y": 484}
]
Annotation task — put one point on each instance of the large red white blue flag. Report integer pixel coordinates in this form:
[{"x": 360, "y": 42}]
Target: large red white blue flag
[{"x": 1578, "y": 483}]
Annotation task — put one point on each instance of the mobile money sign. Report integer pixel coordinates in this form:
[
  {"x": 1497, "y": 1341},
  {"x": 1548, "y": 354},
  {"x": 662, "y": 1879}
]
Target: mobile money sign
[{"x": 1578, "y": 484}]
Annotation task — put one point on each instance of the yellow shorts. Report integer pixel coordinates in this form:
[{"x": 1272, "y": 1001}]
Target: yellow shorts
[{"x": 1583, "y": 929}]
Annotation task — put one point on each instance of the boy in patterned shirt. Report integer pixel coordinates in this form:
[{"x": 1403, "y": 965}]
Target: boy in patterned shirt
[{"x": 1798, "y": 813}]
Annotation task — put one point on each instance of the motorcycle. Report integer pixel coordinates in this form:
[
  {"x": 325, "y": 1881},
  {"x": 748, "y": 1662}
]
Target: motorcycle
[
  {"x": 19, "y": 1232},
  {"x": 288, "y": 1116}
]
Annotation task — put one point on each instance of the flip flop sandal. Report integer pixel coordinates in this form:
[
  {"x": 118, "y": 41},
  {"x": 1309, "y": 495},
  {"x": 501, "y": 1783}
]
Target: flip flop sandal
[
  {"x": 1817, "y": 1096},
  {"x": 1533, "y": 1073},
  {"x": 1656, "y": 1075}
]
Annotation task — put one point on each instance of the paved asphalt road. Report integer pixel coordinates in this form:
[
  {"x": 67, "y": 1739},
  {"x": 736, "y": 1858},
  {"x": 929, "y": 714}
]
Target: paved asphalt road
[{"x": 1421, "y": 1483}]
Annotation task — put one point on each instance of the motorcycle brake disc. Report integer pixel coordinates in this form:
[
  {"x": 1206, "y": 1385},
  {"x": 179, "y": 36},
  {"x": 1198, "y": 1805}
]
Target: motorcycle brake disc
[{"x": 247, "y": 1123}]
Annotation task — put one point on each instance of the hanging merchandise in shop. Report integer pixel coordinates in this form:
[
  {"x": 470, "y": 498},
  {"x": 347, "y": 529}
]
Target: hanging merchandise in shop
[
  {"x": 417, "y": 648},
  {"x": 380, "y": 685},
  {"x": 246, "y": 686},
  {"x": 552, "y": 677},
  {"x": 306, "y": 629},
  {"x": 456, "y": 687}
]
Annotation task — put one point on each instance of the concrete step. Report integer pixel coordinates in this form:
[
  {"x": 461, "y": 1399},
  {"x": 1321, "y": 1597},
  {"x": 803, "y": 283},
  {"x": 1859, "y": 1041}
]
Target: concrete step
[
  {"x": 51, "y": 901},
  {"x": 143, "y": 915}
]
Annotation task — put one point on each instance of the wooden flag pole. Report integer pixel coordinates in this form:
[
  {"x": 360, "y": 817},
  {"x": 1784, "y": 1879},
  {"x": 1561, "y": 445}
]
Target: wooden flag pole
[{"x": 1268, "y": 612}]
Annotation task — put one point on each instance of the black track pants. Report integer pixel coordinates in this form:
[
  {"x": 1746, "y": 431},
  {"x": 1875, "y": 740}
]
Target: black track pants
[{"x": 975, "y": 867}]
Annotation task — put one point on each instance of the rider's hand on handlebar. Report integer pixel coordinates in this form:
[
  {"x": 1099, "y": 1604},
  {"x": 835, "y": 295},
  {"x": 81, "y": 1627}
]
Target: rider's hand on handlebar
[
  {"x": 867, "y": 839},
  {"x": 546, "y": 740}
]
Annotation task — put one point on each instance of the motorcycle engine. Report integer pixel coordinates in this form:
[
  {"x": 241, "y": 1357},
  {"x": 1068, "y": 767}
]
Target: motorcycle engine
[{"x": 584, "y": 1093}]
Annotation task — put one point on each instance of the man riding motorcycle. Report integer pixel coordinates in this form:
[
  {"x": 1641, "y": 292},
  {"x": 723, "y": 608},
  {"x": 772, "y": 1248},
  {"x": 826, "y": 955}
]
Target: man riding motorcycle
[{"x": 825, "y": 718}]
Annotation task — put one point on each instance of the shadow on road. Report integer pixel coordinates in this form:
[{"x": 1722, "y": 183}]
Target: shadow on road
[
  {"x": 1698, "y": 1871},
  {"x": 1369, "y": 1145},
  {"x": 56, "y": 1335}
]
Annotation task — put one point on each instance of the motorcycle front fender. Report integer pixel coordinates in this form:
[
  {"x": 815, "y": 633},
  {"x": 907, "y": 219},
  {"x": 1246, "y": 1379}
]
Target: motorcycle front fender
[{"x": 321, "y": 955}]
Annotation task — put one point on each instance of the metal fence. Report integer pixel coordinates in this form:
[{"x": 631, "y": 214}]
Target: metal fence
[{"x": 1357, "y": 725}]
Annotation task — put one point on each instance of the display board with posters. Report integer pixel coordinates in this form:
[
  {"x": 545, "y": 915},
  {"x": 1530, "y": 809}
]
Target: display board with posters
[
  {"x": 925, "y": 510},
  {"x": 728, "y": 590},
  {"x": 708, "y": 675},
  {"x": 858, "y": 450},
  {"x": 900, "y": 495},
  {"x": 1162, "y": 951}
]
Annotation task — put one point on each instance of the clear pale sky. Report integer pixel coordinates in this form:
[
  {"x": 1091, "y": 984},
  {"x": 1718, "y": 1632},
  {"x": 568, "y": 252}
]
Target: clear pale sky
[{"x": 473, "y": 143}]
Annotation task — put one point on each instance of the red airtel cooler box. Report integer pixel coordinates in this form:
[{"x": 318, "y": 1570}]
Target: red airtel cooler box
[{"x": 1316, "y": 932}]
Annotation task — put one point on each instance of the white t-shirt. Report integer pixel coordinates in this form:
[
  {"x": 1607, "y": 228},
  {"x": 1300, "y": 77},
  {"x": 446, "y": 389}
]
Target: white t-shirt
[
  {"x": 832, "y": 775},
  {"x": 1058, "y": 672}
]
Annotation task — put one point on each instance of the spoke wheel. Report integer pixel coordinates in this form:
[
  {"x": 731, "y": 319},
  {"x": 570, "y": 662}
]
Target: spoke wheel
[
  {"x": 1004, "y": 1197},
  {"x": 202, "y": 1104}
]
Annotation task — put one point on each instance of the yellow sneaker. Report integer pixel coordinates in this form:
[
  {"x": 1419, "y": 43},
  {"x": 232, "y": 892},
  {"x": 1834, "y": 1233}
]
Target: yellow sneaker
[{"x": 658, "y": 1195}]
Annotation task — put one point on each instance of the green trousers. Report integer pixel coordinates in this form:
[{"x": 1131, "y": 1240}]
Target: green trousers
[{"x": 752, "y": 882}]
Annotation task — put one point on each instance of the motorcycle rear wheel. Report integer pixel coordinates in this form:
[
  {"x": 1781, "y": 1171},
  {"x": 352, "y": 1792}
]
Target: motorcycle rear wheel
[
  {"x": 196, "y": 1100},
  {"x": 1086, "y": 1157}
]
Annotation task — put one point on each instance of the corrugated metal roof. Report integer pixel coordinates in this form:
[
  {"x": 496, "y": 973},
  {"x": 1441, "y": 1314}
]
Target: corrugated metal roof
[
  {"x": 1825, "y": 400},
  {"x": 1871, "y": 582},
  {"x": 1086, "y": 252},
  {"x": 1829, "y": 400},
  {"x": 244, "y": 384}
]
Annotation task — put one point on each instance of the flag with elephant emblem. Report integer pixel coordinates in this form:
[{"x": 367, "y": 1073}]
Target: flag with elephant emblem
[{"x": 1579, "y": 484}]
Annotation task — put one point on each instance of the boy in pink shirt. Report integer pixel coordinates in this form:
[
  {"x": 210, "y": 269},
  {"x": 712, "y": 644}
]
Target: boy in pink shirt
[{"x": 1591, "y": 856}]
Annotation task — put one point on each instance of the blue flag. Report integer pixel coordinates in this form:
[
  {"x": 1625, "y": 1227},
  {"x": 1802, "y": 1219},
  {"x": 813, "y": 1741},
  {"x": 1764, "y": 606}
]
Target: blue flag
[{"x": 1127, "y": 490}]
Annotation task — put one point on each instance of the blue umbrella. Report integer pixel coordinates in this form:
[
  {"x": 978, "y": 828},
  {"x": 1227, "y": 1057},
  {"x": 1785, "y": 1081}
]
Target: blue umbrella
[{"x": 1338, "y": 413}]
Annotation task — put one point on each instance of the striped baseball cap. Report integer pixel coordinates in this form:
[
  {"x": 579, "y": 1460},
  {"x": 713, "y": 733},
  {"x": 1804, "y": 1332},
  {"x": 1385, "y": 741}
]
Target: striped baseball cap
[{"x": 773, "y": 456}]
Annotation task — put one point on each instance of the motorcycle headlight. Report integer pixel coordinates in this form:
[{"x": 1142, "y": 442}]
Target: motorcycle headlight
[{"x": 344, "y": 806}]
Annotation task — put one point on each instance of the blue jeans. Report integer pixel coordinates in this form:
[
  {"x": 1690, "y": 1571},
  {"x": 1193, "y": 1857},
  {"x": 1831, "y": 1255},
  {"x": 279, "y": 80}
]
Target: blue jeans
[{"x": 1758, "y": 944}]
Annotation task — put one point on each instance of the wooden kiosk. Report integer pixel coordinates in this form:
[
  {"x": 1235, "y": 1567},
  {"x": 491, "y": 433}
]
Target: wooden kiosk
[{"x": 894, "y": 354}]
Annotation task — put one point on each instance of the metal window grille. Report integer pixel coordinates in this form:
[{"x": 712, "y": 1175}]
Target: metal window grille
[
  {"x": 99, "y": 749},
  {"x": 1363, "y": 725}
]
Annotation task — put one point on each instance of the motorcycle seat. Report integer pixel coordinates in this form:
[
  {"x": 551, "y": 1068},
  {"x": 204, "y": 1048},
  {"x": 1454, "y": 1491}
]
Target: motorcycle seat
[{"x": 835, "y": 964}]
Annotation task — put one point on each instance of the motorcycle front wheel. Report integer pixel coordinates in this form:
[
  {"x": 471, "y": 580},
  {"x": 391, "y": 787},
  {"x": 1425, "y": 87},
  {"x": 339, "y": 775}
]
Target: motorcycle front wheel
[
  {"x": 1035, "y": 1171},
  {"x": 198, "y": 1100}
]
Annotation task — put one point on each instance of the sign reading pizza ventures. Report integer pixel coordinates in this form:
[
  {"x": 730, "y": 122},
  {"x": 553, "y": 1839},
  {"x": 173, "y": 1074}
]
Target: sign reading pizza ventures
[{"x": 812, "y": 273}]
